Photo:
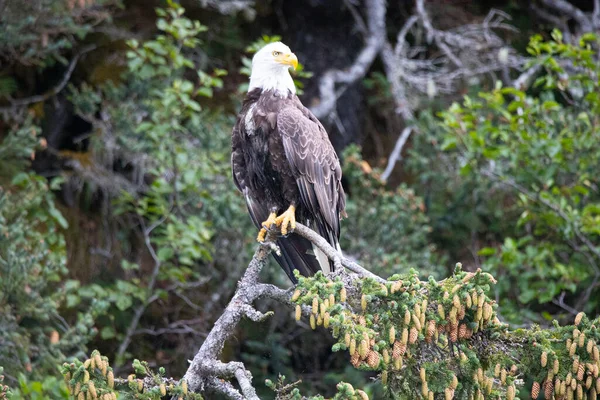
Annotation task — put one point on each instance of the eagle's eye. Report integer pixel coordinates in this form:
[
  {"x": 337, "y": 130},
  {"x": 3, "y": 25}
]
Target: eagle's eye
[{"x": 276, "y": 53}]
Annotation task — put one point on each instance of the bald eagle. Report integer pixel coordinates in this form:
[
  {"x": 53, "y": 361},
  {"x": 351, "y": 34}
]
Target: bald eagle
[{"x": 285, "y": 165}]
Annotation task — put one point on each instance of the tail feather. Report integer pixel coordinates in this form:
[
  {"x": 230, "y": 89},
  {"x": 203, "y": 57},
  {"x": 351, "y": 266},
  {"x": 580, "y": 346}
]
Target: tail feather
[
  {"x": 297, "y": 253},
  {"x": 301, "y": 254}
]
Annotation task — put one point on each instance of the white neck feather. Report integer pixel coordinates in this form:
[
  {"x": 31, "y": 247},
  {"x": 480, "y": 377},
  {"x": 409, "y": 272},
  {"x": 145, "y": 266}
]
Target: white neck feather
[{"x": 276, "y": 78}]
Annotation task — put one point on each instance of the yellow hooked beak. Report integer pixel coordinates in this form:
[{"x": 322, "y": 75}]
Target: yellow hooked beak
[{"x": 287, "y": 59}]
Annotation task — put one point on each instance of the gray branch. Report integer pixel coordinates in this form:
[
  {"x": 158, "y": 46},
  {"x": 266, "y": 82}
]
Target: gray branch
[
  {"x": 467, "y": 51},
  {"x": 205, "y": 366},
  {"x": 206, "y": 372},
  {"x": 525, "y": 80},
  {"x": 396, "y": 153},
  {"x": 338, "y": 259},
  {"x": 228, "y": 7},
  {"x": 559, "y": 12},
  {"x": 375, "y": 10},
  {"x": 570, "y": 10},
  {"x": 437, "y": 36}
]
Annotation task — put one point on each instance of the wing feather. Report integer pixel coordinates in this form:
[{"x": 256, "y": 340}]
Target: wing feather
[{"x": 314, "y": 163}]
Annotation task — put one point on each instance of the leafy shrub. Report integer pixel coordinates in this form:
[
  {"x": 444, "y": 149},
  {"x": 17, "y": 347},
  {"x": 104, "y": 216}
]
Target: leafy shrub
[
  {"x": 34, "y": 336},
  {"x": 527, "y": 164},
  {"x": 38, "y": 32},
  {"x": 385, "y": 229}
]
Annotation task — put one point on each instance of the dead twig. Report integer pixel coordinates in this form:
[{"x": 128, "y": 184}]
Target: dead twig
[
  {"x": 396, "y": 153},
  {"x": 570, "y": 10},
  {"x": 375, "y": 10}
]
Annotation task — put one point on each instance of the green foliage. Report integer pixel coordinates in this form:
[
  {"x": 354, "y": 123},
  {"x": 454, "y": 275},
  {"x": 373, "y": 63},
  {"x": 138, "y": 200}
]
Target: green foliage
[
  {"x": 345, "y": 391},
  {"x": 51, "y": 387},
  {"x": 382, "y": 223},
  {"x": 17, "y": 149},
  {"x": 38, "y": 32},
  {"x": 385, "y": 328},
  {"x": 94, "y": 379},
  {"x": 538, "y": 154},
  {"x": 429, "y": 339},
  {"x": 179, "y": 193},
  {"x": 35, "y": 336},
  {"x": 464, "y": 212}
]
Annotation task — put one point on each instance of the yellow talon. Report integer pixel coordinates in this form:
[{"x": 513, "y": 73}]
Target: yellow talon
[
  {"x": 261, "y": 235},
  {"x": 287, "y": 218},
  {"x": 272, "y": 220}
]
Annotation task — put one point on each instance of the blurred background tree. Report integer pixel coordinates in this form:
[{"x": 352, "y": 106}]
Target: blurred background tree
[{"x": 121, "y": 230}]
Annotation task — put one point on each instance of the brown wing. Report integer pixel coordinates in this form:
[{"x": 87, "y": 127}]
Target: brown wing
[
  {"x": 237, "y": 157},
  {"x": 314, "y": 163}
]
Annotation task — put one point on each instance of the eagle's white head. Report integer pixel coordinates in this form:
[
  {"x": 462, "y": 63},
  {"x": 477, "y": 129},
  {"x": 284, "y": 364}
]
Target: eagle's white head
[{"x": 270, "y": 69}]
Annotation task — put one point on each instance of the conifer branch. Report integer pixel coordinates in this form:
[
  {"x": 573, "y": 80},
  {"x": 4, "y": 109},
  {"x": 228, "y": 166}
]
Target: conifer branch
[{"x": 397, "y": 327}]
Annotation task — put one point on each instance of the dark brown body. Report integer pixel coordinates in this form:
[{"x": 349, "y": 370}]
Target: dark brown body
[{"x": 281, "y": 156}]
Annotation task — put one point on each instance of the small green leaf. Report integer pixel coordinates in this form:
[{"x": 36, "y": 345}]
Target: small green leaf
[
  {"x": 107, "y": 332},
  {"x": 487, "y": 251},
  {"x": 123, "y": 302}
]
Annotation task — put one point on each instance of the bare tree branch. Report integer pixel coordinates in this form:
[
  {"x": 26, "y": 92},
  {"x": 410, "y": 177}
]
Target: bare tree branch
[
  {"x": 401, "y": 39},
  {"x": 333, "y": 254},
  {"x": 219, "y": 386},
  {"x": 228, "y": 7},
  {"x": 396, "y": 153},
  {"x": 149, "y": 291},
  {"x": 560, "y": 12},
  {"x": 558, "y": 22},
  {"x": 375, "y": 10},
  {"x": 394, "y": 74},
  {"x": 467, "y": 51},
  {"x": 206, "y": 369},
  {"x": 436, "y": 35},
  {"x": 561, "y": 303},
  {"x": 525, "y": 80},
  {"x": 565, "y": 7}
]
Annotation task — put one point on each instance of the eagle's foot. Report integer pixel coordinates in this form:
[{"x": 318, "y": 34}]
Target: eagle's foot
[
  {"x": 287, "y": 220},
  {"x": 266, "y": 225}
]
